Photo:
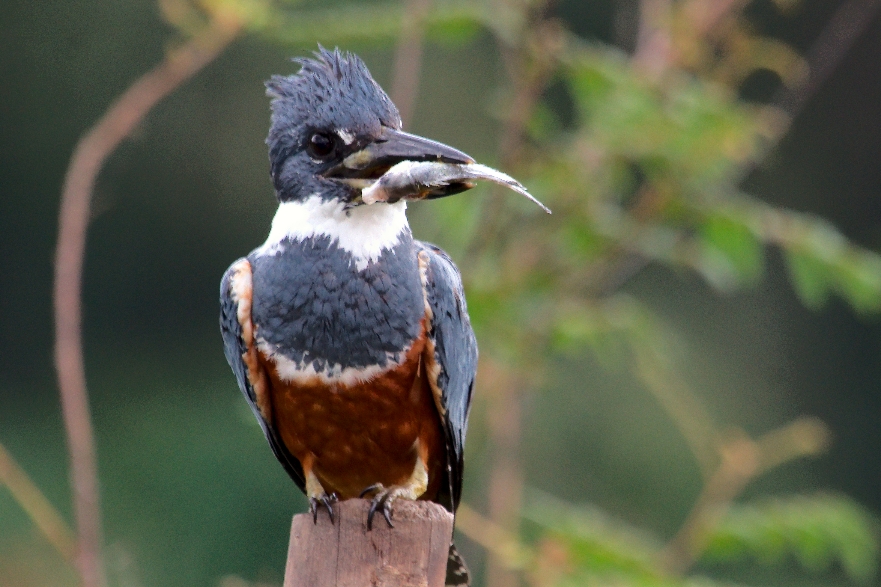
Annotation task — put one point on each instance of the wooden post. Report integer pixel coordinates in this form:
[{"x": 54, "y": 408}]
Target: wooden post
[{"x": 346, "y": 554}]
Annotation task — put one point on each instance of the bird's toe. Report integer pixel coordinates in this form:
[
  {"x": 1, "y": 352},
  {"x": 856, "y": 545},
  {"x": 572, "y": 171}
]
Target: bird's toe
[
  {"x": 383, "y": 501},
  {"x": 315, "y": 503}
]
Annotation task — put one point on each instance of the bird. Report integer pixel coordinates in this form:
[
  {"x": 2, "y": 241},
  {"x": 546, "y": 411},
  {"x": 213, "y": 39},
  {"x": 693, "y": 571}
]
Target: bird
[{"x": 349, "y": 338}]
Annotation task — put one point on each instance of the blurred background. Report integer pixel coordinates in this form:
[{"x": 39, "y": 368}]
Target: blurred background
[{"x": 679, "y": 368}]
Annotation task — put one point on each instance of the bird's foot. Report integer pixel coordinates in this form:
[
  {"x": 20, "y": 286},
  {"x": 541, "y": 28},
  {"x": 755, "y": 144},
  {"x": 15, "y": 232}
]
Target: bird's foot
[
  {"x": 322, "y": 499},
  {"x": 385, "y": 497},
  {"x": 383, "y": 500}
]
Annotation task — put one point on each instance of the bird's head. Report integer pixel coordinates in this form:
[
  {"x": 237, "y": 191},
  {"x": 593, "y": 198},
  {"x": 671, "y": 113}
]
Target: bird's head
[{"x": 335, "y": 131}]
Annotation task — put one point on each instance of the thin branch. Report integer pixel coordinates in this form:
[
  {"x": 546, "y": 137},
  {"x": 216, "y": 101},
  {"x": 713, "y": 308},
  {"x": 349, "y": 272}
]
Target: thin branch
[
  {"x": 803, "y": 437},
  {"x": 743, "y": 459},
  {"x": 682, "y": 406},
  {"x": 654, "y": 47},
  {"x": 531, "y": 67},
  {"x": 503, "y": 390},
  {"x": 503, "y": 544},
  {"x": 506, "y": 474},
  {"x": 705, "y": 15},
  {"x": 849, "y": 22},
  {"x": 740, "y": 464},
  {"x": 846, "y": 26},
  {"x": 532, "y": 75},
  {"x": 40, "y": 510},
  {"x": 86, "y": 161},
  {"x": 408, "y": 58}
]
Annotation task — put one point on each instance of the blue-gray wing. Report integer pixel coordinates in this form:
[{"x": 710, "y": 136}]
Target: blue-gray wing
[
  {"x": 455, "y": 360},
  {"x": 241, "y": 354}
]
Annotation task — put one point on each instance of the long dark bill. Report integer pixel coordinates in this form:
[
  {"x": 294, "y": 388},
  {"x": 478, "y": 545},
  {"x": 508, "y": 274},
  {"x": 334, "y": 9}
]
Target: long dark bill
[{"x": 393, "y": 147}]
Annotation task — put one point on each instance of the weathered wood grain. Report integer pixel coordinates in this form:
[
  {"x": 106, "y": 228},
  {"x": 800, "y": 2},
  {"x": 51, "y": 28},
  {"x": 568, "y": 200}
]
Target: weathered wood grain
[{"x": 346, "y": 554}]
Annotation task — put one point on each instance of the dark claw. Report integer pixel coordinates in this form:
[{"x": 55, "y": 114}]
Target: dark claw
[
  {"x": 371, "y": 489},
  {"x": 387, "y": 513},
  {"x": 370, "y": 515},
  {"x": 380, "y": 501},
  {"x": 326, "y": 501}
]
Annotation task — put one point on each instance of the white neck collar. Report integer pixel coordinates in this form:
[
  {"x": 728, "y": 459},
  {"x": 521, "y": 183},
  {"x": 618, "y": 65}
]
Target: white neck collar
[{"x": 363, "y": 231}]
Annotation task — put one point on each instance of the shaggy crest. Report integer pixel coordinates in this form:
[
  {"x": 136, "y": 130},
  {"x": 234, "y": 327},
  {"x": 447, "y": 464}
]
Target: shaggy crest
[{"x": 330, "y": 92}]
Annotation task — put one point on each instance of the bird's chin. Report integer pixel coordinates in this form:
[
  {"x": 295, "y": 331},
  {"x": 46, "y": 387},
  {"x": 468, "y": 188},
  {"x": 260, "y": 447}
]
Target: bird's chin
[{"x": 355, "y": 186}]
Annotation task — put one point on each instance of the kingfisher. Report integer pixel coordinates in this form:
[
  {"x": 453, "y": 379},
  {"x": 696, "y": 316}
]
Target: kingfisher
[{"x": 349, "y": 338}]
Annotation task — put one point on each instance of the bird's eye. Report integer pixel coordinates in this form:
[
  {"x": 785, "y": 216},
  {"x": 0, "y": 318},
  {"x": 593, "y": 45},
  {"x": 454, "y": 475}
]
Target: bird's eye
[{"x": 321, "y": 145}]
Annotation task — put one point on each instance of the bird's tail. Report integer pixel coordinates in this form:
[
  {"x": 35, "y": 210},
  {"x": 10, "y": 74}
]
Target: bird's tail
[{"x": 457, "y": 570}]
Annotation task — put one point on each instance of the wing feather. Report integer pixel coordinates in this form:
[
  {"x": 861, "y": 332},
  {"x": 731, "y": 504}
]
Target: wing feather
[
  {"x": 238, "y": 346},
  {"x": 453, "y": 366}
]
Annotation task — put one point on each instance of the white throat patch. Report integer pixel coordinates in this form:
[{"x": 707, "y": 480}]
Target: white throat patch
[{"x": 363, "y": 231}]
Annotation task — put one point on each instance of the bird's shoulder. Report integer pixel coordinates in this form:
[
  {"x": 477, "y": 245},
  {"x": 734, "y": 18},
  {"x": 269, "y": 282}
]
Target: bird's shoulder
[
  {"x": 451, "y": 358},
  {"x": 238, "y": 331},
  {"x": 442, "y": 282}
]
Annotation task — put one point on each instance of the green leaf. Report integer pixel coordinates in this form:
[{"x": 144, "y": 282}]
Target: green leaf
[
  {"x": 373, "y": 23},
  {"x": 453, "y": 28},
  {"x": 733, "y": 243},
  {"x": 859, "y": 280},
  {"x": 814, "y": 530},
  {"x": 810, "y": 277},
  {"x": 599, "y": 549},
  {"x": 821, "y": 261},
  {"x": 596, "y": 542}
]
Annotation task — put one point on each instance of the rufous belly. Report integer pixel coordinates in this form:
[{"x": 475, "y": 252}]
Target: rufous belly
[{"x": 352, "y": 437}]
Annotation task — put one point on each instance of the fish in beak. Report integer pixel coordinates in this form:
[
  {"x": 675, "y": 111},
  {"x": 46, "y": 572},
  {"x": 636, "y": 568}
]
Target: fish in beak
[{"x": 401, "y": 166}]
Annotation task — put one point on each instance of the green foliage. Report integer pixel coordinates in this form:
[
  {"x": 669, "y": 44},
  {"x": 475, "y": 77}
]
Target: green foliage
[
  {"x": 821, "y": 262},
  {"x": 686, "y": 132},
  {"x": 373, "y": 22},
  {"x": 809, "y": 277},
  {"x": 816, "y": 530},
  {"x": 592, "y": 547},
  {"x": 596, "y": 543},
  {"x": 730, "y": 251}
]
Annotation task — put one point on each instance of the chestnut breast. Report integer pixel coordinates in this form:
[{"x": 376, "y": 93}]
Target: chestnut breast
[{"x": 356, "y": 435}]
